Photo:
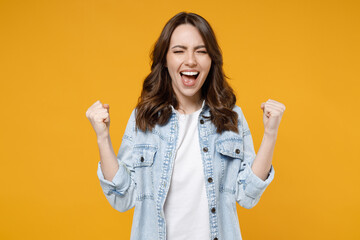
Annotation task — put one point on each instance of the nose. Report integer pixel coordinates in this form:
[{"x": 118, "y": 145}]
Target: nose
[{"x": 190, "y": 59}]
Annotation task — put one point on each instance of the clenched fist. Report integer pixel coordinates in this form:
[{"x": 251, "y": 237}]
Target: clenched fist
[
  {"x": 273, "y": 112},
  {"x": 98, "y": 115}
]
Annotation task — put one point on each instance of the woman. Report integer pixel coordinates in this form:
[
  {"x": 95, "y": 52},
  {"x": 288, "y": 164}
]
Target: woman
[{"x": 187, "y": 154}]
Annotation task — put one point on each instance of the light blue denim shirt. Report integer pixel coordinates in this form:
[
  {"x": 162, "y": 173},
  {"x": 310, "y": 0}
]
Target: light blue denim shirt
[{"x": 145, "y": 166}]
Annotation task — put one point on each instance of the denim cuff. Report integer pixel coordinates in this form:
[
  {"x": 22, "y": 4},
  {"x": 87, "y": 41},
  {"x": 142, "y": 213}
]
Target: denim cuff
[
  {"x": 255, "y": 186},
  {"x": 120, "y": 182}
]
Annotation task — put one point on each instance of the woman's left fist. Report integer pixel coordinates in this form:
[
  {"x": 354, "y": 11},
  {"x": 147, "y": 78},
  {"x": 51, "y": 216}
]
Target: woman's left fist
[{"x": 273, "y": 112}]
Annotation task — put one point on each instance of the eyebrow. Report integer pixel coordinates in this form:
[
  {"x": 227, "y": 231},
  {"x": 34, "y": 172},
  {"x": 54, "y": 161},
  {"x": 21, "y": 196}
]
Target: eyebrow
[{"x": 183, "y": 47}]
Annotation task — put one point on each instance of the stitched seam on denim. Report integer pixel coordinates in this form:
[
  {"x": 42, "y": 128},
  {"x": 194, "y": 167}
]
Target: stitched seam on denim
[
  {"x": 154, "y": 131},
  {"x": 126, "y": 137},
  {"x": 246, "y": 132},
  {"x": 224, "y": 189},
  {"x": 169, "y": 155},
  {"x": 141, "y": 197}
]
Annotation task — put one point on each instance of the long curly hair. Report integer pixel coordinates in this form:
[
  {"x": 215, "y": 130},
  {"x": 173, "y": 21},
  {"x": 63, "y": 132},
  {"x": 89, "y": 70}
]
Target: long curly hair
[{"x": 157, "y": 96}]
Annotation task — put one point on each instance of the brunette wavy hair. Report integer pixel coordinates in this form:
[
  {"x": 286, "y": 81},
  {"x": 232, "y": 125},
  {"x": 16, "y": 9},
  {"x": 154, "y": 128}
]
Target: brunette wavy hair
[{"x": 157, "y": 96}]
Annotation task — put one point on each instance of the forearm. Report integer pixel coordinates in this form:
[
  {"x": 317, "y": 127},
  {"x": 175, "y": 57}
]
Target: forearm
[
  {"x": 109, "y": 164},
  {"x": 262, "y": 163}
]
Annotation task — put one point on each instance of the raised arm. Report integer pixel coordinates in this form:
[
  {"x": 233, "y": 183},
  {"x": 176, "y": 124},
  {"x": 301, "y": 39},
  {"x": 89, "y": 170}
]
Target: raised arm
[
  {"x": 272, "y": 113},
  {"x": 256, "y": 171},
  {"x": 98, "y": 115},
  {"x": 114, "y": 172}
]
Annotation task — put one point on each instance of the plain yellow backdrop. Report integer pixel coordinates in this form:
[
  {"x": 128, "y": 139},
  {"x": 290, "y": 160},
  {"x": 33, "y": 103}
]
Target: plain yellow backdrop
[{"x": 59, "y": 57}]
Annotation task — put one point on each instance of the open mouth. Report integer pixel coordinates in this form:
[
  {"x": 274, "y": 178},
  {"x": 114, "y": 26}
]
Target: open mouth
[
  {"x": 190, "y": 75},
  {"x": 189, "y": 78}
]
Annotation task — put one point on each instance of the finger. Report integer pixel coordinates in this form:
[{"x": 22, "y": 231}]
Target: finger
[
  {"x": 274, "y": 111},
  {"x": 267, "y": 114},
  {"x": 96, "y": 105},
  {"x": 99, "y": 105},
  {"x": 266, "y": 110},
  {"x": 101, "y": 112},
  {"x": 276, "y": 103},
  {"x": 101, "y": 117},
  {"x": 272, "y": 103},
  {"x": 91, "y": 113},
  {"x": 95, "y": 112},
  {"x": 276, "y": 106},
  {"x": 89, "y": 110},
  {"x": 262, "y": 106},
  {"x": 273, "y": 107},
  {"x": 106, "y": 106}
]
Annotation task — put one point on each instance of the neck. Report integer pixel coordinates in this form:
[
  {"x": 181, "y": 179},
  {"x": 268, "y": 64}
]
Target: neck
[{"x": 189, "y": 105}]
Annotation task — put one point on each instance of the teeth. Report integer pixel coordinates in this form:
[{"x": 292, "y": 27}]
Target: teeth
[{"x": 190, "y": 73}]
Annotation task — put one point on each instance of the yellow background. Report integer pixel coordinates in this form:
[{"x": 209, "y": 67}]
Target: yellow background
[{"x": 59, "y": 57}]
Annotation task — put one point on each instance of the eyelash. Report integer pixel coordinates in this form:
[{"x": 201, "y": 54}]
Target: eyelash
[{"x": 197, "y": 51}]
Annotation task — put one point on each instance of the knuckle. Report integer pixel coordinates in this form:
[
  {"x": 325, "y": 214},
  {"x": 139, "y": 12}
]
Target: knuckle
[
  {"x": 97, "y": 119},
  {"x": 92, "y": 115}
]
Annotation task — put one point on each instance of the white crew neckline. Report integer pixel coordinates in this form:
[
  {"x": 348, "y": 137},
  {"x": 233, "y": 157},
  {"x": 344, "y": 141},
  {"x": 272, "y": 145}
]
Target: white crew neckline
[{"x": 184, "y": 115}]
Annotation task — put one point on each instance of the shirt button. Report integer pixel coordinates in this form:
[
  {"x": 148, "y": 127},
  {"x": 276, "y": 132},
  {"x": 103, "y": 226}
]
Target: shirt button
[
  {"x": 142, "y": 159},
  {"x": 210, "y": 180},
  {"x": 201, "y": 121},
  {"x": 213, "y": 210},
  {"x": 237, "y": 151},
  {"x": 205, "y": 149}
]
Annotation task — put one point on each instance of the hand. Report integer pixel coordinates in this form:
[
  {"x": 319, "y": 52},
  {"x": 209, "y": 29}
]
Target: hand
[
  {"x": 99, "y": 117},
  {"x": 273, "y": 112}
]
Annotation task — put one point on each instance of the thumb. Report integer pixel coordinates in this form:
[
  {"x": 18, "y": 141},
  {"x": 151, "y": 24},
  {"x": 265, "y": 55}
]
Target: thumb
[
  {"x": 262, "y": 106},
  {"x": 106, "y": 106}
]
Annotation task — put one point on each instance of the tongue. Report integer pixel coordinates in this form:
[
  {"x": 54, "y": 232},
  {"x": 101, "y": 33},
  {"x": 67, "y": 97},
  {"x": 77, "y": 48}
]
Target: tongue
[{"x": 188, "y": 80}]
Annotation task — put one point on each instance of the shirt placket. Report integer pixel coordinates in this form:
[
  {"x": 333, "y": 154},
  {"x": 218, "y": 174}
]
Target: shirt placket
[
  {"x": 206, "y": 153},
  {"x": 166, "y": 175}
]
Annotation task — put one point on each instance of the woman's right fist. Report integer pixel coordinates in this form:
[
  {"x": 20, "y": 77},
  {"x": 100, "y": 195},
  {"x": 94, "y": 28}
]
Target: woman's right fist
[{"x": 98, "y": 115}]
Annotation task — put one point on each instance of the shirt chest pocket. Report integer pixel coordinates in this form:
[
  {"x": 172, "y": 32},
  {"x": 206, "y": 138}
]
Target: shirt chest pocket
[
  {"x": 231, "y": 154},
  {"x": 143, "y": 159}
]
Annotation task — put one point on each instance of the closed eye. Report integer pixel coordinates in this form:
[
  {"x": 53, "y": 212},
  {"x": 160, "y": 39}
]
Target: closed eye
[
  {"x": 202, "y": 52},
  {"x": 178, "y": 51}
]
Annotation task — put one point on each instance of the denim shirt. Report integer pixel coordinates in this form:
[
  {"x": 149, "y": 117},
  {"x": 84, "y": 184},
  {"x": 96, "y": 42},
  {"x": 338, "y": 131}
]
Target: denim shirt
[{"x": 146, "y": 160}]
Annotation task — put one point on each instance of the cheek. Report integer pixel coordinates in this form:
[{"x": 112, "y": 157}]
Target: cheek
[
  {"x": 207, "y": 67},
  {"x": 209, "y": 63},
  {"x": 206, "y": 63},
  {"x": 172, "y": 65}
]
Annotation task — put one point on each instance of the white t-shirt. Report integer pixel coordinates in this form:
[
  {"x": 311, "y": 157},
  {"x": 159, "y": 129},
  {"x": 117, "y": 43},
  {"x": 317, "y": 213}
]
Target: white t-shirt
[{"x": 186, "y": 207}]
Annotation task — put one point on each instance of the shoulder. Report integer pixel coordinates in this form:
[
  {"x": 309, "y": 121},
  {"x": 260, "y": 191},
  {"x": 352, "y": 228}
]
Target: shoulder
[
  {"x": 130, "y": 129},
  {"x": 238, "y": 110},
  {"x": 241, "y": 117},
  {"x": 242, "y": 123},
  {"x": 140, "y": 136}
]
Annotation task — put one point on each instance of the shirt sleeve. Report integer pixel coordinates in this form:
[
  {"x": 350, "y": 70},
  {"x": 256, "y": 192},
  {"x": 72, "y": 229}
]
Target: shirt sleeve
[
  {"x": 120, "y": 191},
  {"x": 249, "y": 186}
]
